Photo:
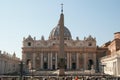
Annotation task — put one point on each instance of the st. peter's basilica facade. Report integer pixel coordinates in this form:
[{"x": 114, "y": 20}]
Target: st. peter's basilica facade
[{"x": 79, "y": 54}]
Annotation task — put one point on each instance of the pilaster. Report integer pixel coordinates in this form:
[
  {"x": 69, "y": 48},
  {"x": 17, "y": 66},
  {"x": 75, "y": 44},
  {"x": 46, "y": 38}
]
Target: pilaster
[
  {"x": 51, "y": 60},
  {"x": 41, "y": 60},
  {"x": 77, "y": 60},
  {"x": 48, "y": 55},
  {"x": 118, "y": 64},
  {"x": 33, "y": 62},
  {"x": 94, "y": 54},
  {"x": 56, "y": 61},
  {"x": 68, "y": 61},
  {"x": 85, "y": 61}
]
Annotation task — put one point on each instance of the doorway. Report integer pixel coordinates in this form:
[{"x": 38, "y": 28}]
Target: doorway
[{"x": 90, "y": 64}]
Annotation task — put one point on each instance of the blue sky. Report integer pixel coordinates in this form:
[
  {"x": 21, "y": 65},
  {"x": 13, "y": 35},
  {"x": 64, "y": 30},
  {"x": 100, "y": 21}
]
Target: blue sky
[{"x": 20, "y": 18}]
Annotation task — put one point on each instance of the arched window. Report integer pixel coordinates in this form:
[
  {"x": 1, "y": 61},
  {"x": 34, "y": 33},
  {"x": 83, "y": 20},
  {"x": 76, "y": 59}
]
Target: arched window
[
  {"x": 89, "y": 44},
  {"x": 29, "y": 43}
]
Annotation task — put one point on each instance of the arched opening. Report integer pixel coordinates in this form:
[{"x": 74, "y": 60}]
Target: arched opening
[
  {"x": 53, "y": 67},
  {"x": 65, "y": 66},
  {"x": 29, "y": 43},
  {"x": 45, "y": 65},
  {"x": 29, "y": 64},
  {"x": 73, "y": 65},
  {"x": 90, "y": 63}
]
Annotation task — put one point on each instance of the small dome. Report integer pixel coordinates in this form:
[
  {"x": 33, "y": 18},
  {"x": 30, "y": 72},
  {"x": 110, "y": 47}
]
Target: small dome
[{"x": 54, "y": 34}]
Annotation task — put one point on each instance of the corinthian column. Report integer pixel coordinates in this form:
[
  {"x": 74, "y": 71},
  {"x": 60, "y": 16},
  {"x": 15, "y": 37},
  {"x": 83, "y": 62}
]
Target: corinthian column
[
  {"x": 56, "y": 66},
  {"x": 33, "y": 62},
  {"x": 77, "y": 60},
  {"x": 41, "y": 60},
  {"x": 68, "y": 61},
  {"x": 51, "y": 60}
]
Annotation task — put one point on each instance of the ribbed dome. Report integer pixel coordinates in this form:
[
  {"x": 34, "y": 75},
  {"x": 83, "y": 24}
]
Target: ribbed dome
[{"x": 54, "y": 34}]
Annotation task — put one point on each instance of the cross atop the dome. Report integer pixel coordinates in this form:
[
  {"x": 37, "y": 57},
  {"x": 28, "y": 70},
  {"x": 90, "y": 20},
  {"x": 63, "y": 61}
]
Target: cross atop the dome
[{"x": 62, "y": 8}]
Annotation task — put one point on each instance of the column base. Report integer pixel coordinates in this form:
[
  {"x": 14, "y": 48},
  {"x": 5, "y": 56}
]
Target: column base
[{"x": 61, "y": 72}]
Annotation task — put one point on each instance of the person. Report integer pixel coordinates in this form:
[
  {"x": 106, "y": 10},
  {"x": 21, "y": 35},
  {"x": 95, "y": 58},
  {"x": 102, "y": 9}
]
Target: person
[
  {"x": 96, "y": 78},
  {"x": 76, "y": 78},
  {"x": 88, "y": 78}
]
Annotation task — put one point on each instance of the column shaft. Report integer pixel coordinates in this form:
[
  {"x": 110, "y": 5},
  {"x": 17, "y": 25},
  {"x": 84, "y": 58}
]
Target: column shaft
[
  {"x": 48, "y": 55},
  {"x": 77, "y": 60},
  {"x": 33, "y": 62},
  {"x": 41, "y": 60},
  {"x": 56, "y": 61},
  {"x": 51, "y": 60},
  {"x": 68, "y": 61},
  {"x": 85, "y": 64}
]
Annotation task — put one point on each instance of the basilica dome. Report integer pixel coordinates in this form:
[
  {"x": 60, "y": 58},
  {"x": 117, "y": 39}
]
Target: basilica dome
[{"x": 54, "y": 34}]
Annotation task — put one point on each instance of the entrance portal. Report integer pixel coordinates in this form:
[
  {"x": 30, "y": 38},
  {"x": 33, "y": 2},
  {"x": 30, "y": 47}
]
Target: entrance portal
[
  {"x": 73, "y": 65},
  {"x": 90, "y": 63}
]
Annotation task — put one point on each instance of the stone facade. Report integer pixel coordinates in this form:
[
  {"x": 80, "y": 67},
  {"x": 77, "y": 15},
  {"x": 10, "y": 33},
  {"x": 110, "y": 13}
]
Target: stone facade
[
  {"x": 112, "y": 61},
  {"x": 113, "y": 45},
  {"x": 9, "y": 64},
  {"x": 79, "y": 54},
  {"x": 111, "y": 64}
]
